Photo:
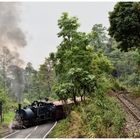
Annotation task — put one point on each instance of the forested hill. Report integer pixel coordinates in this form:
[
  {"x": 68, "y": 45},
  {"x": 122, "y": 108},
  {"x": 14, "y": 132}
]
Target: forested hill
[{"x": 88, "y": 65}]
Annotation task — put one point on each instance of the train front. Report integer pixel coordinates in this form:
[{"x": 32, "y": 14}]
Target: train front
[
  {"x": 24, "y": 117},
  {"x": 34, "y": 114}
]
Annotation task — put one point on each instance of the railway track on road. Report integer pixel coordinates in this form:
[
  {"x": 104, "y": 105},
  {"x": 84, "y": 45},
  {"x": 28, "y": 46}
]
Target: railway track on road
[{"x": 133, "y": 109}]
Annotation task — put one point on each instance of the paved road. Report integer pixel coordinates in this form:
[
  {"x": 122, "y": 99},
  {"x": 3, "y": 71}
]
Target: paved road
[{"x": 39, "y": 131}]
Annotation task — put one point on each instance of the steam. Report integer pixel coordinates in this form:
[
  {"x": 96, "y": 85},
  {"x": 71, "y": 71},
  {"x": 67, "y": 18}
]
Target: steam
[
  {"x": 18, "y": 81},
  {"x": 12, "y": 40}
]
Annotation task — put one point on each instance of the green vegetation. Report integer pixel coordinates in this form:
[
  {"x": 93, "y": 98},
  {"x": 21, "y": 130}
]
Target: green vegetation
[
  {"x": 124, "y": 28},
  {"x": 79, "y": 68},
  {"x": 85, "y": 65},
  {"x": 124, "y": 21},
  {"x": 8, "y": 117},
  {"x": 8, "y": 108},
  {"x": 82, "y": 55},
  {"x": 95, "y": 119}
]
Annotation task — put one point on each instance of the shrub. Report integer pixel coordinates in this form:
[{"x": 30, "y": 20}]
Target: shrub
[
  {"x": 117, "y": 85},
  {"x": 5, "y": 100}
]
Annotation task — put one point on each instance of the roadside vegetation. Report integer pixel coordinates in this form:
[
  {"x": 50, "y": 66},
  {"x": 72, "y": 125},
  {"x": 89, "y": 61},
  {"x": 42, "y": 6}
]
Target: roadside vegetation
[
  {"x": 112, "y": 63},
  {"x": 95, "y": 119},
  {"x": 8, "y": 107}
]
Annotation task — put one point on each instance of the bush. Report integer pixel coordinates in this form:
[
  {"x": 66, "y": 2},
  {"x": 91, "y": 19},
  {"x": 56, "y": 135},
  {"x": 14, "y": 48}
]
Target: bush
[
  {"x": 8, "y": 117},
  {"x": 117, "y": 85},
  {"x": 5, "y": 100}
]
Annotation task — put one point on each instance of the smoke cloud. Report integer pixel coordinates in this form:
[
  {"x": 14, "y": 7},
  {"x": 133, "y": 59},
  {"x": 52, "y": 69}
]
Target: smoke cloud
[
  {"x": 12, "y": 39},
  {"x": 11, "y": 35},
  {"x": 18, "y": 81}
]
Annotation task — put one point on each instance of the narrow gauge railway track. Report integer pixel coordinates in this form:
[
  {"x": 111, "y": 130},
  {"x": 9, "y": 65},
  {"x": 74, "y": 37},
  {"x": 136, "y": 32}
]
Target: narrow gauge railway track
[{"x": 133, "y": 109}]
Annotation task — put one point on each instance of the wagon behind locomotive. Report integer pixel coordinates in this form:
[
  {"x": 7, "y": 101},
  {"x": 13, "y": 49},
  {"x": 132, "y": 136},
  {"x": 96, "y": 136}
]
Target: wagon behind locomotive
[{"x": 39, "y": 112}]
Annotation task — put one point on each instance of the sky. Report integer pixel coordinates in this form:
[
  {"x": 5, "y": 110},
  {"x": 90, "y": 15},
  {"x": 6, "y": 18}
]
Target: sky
[{"x": 39, "y": 22}]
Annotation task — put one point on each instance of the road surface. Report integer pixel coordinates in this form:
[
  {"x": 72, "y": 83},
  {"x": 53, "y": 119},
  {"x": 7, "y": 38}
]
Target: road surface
[{"x": 40, "y": 131}]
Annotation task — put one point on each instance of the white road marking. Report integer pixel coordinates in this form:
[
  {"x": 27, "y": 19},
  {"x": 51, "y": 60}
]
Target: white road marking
[
  {"x": 31, "y": 132},
  {"x": 28, "y": 135},
  {"x": 35, "y": 128},
  {"x": 50, "y": 130},
  {"x": 12, "y": 134}
]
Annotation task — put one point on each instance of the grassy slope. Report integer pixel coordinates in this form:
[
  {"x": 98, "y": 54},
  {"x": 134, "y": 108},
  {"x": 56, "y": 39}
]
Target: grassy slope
[
  {"x": 91, "y": 121},
  {"x": 8, "y": 117},
  {"x": 68, "y": 128}
]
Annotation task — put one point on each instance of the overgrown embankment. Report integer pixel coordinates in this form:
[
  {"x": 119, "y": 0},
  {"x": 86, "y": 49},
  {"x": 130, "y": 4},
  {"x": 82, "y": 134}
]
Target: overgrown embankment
[
  {"x": 8, "y": 112},
  {"x": 95, "y": 119}
]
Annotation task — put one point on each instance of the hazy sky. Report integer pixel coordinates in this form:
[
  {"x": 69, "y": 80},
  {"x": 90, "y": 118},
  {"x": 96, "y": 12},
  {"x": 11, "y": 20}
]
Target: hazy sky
[{"x": 39, "y": 21}]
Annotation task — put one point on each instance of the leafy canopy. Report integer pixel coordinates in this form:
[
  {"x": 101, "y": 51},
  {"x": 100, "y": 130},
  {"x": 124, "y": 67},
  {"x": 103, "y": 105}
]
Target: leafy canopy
[{"x": 125, "y": 24}]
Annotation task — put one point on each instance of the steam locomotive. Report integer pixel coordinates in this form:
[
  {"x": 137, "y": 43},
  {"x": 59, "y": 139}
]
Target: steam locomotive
[{"x": 38, "y": 112}]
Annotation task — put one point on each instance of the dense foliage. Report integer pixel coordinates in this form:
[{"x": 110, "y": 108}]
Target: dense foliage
[
  {"x": 83, "y": 67},
  {"x": 124, "y": 28},
  {"x": 125, "y": 24},
  {"x": 78, "y": 66}
]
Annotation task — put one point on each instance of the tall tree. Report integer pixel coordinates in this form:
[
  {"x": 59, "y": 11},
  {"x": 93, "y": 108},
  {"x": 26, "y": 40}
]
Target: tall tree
[
  {"x": 46, "y": 75},
  {"x": 6, "y": 59},
  {"x": 125, "y": 24},
  {"x": 29, "y": 74},
  {"x": 98, "y": 37},
  {"x": 68, "y": 30},
  {"x": 125, "y": 29},
  {"x": 73, "y": 59}
]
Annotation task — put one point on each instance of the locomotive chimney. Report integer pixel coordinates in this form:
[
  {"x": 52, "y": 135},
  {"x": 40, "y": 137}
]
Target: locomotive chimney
[{"x": 19, "y": 106}]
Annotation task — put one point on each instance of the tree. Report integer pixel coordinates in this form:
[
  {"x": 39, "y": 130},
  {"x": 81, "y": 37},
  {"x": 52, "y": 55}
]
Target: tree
[
  {"x": 4, "y": 99},
  {"x": 68, "y": 31},
  {"x": 29, "y": 70},
  {"x": 64, "y": 91},
  {"x": 101, "y": 64},
  {"x": 98, "y": 37},
  {"x": 73, "y": 57},
  {"x": 6, "y": 59},
  {"x": 84, "y": 83},
  {"x": 125, "y": 24},
  {"x": 125, "y": 29},
  {"x": 68, "y": 26},
  {"x": 46, "y": 75},
  {"x": 30, "y": 74},
  {"x": 76, "y": 61}
]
